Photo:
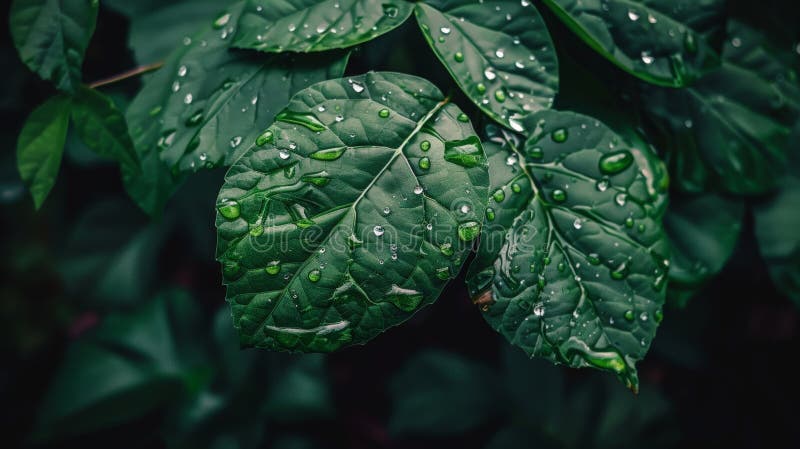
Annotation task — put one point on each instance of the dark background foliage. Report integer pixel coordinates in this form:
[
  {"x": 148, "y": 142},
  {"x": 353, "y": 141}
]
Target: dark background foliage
[{"x": 90, "y": 271}]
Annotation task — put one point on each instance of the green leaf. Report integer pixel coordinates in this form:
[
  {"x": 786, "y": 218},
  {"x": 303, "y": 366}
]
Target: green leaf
[
  {"x": 315, "y": 25},
  {"x": 703, "y": 231},
  {"x": 51, "y": 37},
  {"x": 102, "y": 127},
  {"x": 301, "y": 393},
  {"x": 200, "y": 109},
  {"x": 125, "y": 368},
  {"x": 434, "y": 388},
  {"x": 350, "y": 213},
  {"x": 777, "y": 225},
  {"x": 40, "y": 146},
  {"x": 499, "y": 53},
  {"x": 658, "y": 41},
  {"x": 156, "y": 32},
  {"x": 729, "y": 131},
  {"x": 572, "y": 261}
]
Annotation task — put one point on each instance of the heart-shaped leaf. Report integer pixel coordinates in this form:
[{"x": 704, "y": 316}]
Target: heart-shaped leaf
[
  {"x": 499, "y": 53},
  {"x": 572, "y": 262},
  {"x": 317, "y": 25},
  {"x": 350, "y": 213}
]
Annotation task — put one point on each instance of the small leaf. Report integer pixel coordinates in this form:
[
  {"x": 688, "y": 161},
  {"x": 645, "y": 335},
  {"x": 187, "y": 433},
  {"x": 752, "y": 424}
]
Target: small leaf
[
  {"x": 40, "y": 146},
  {"x": 102, "y": 127},
  {"x": 703, "y": 232},
  {"x": 51, "y": 37},
  {"x": 499, "y": 53},
  {"x": 316, "y": 25},
  {"x": 729, "y": 131},
  {"x": 659, "y": 41},
  {"x": 573, "y": 265},
  {"x": 314, "y": 266}
]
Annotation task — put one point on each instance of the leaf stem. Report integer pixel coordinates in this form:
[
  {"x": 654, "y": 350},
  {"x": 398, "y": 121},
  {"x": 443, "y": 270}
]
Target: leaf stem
[{"x": 128, "y": 74}]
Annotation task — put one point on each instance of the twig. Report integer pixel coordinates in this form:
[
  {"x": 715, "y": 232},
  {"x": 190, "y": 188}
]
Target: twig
[{"x": 125, "y": 75}]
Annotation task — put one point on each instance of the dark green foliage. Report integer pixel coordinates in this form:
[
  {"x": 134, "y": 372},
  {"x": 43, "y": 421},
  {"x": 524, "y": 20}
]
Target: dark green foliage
[{"x": 367, "y": 157}]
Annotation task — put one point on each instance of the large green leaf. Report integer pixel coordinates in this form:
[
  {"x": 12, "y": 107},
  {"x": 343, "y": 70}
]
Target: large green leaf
[
  {"x": 435, "y": 386},
  {"x": 316, "y": 25},
  {"x": 125, "y": 368},
  {"x": 350, "y": 213},
  {"x": 659, "y": 41},
  {"x": 777, "y": 226},
  {"x": 40, "y": 146},
  {"x": 204, "y": 107},
  {"x": 52, "y": 35},
  {"x": 102, "y": 127},
  {"x": 703, "y": 231},
  {"x": 573, "y": 258},
  {"x": 499, "y": 52},
  {"x": 729, "y": 131}
]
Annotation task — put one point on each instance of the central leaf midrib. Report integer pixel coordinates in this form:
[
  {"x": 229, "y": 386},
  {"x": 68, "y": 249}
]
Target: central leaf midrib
[{"x": 399, "y": 151}]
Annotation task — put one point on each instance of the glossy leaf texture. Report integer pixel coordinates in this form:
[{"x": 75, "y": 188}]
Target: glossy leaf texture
[
  {"x": 41, "y": 145},
  {"x": 51, "y": 37},
  {"x": 102, "y": 127},
  {"x": 316, "y": 25},
  {"x": 350, "y": 213},
  {"x": 703, "y": 231},
  {"x": 572, "y": 262},
  {"x": 659, "y": 41},
  {"x": 499, "y": 52},
  {"x": 777, "y": 226},
  {"x": 200, "y": 109},
  {"x": 729, "y": 131}
]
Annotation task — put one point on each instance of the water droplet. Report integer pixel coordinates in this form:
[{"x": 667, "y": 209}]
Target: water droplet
[
  {"x": 489, "y": 74},
  {"x": 338, "y": 118},
  {"x": 643, "y": 316},
  {"x": 481, "y": 88},
  {"x": 736, "y": 42},
  {"x": 633, "y": 15},
  {"x": 647, "y": 58},
  {"x": 464, "y": 209},
  {"x": 536, "y": 153},
  {"x": 378, "y": 230},
  {"x": 357, "y": 87},
  {"x": 463, "y": 118},
  {"x": 235, "y": 141},
  {"x": 425, "y": 163},
  {"x": 620, "y": 273},
  {"x": 328, "y": 154},
  {"x": 621, "y": 199},
  {"x": 577, "y": 224},
  {"x": 425, "y": 145},
  {"x": 383, "y": 113},
  {"x": 273, "y": 267},
  {"x": 446, "y": 249},
  {"x": 445, "y": 30},
  {"x": 629, "y": 315},
  {"x": 499, "y": 95},
  {"x": 516, "y": 188},
  {"x": 418, "y": 190},
  {"x": 519, "y": 65},
  {"x": 314, "y": 275},
  {"x": 264, "y": 138},
  {"x": 613, "y": 163},
  {"x": 194, "y": 119},
  {"x": 538, "y": 309},
  {"x": 602, "y": 185},
  {"x": 188, "y": 99},
  {"x": 559, "y": 136},
  {"x": 389, "y": 9},
  {"x": 490, "y": 214},
  {"x": 283, "y": 154},
  {"x": 222, "y": 20},
  {"x": 469, "y": 230},
  {"x": 499, "y": 195},
  {"x": 559, "y": 195},
  {"x": 228, "y": 209},
  {"x": 303, "y": 119},
  {"x": 629, "y": 222},
  {"x": 458, "y": 57},
  {"x": 182, "y": 70},
  {"x": 499, "y": 53}
]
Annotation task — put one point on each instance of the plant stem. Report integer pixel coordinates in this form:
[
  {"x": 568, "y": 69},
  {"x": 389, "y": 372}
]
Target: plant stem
[{"x": 125, "y": 75}]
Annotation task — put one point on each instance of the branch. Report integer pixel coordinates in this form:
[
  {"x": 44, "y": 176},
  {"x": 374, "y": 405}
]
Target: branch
[{"x": 125, "y": 75}]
